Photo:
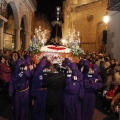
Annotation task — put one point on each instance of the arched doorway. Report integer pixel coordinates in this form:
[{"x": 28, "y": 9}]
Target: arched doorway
[
  {"x": 9, "y": 29},
  {"x": 24, "y": 34},
  {"x": 11, "y": 40},
  {"x": 99, "y": 34}
]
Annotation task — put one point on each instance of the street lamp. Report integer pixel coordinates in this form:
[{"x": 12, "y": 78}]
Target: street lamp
[{"x": 106, "y": 18}]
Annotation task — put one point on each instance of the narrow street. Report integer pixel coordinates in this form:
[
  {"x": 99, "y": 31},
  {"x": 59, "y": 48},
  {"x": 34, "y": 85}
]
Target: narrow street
[{"x": 6, "y": 110}]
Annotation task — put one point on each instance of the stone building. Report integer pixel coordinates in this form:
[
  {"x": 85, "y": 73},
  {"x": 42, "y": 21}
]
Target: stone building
[
  {"x": 16, "y": 17},
  {"x": 86, "y": 16}
]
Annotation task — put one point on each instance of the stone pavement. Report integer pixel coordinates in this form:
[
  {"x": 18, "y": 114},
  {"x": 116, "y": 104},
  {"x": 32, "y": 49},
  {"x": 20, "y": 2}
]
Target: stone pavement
[
  {"x": 1, "y": 118},
  {"x": 6, "y": 110},
  {"x": 98, "y": 115}
]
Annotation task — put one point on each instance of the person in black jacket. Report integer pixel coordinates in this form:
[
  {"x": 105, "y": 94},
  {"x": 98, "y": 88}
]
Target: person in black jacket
[{"x": 55, "y": 83}]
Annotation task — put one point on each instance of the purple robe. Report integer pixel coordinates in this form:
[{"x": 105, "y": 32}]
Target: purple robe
[
  {"x": 73, "y": 65},
  {"x": 95, "y": 67},
  {"x": 73, "y": 95},
  {"x": 39, "y": 93},
  {"x": 28, "y": 60},
  {"x": 67, "y": 62},
  {"x": 91, "y": 84},
  {"x": 80, "y": 65},
  {"x": 86, "y": 63},
  {"x": 81, "y": 62},
  {"x": 19, "y": 90}
]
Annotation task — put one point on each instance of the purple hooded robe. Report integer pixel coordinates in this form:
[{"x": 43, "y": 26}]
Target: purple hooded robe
[
  {"x": 92, "y": 83},
  {"x": 73, "y": 94},
  {"x": 19, "y": 91},
  {"x": 38, "y": 92}
]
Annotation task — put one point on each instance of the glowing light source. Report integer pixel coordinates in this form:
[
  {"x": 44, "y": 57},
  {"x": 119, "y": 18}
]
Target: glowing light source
[
  {"x": 63, "y": 41},
  {"x": 41, "y": 36},
  {"x": 58, "y": 8},
  {"x": 72, "y": 36},
  {"x": 106, "y": 18}
]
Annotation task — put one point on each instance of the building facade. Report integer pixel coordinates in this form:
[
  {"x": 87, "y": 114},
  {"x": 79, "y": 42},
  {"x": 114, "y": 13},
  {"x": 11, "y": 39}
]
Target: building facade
[
  {"x": 86, "y": 16},
  {"x": 16, "y": 23},
  {"x": 113, "y": 41}
]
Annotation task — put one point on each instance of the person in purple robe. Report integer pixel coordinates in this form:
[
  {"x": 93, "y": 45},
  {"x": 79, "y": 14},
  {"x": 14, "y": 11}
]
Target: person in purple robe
[
  {"x": 19, "y": 90},
  {"x": 92, "y": 83},
  {"x": 73, "y": 94},
  {"x": 86, "y": 62},
  {"x": 67, "y": 62},
  {"x": 80, "y": 65},
  {"x": 38, "y": 93},
  {"x": 30, "y": 64}
]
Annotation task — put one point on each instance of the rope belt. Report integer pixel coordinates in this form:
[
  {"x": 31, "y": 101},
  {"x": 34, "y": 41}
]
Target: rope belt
[
  {"x": 23, "y": 90},
  {"x": 42, "y": 89}
]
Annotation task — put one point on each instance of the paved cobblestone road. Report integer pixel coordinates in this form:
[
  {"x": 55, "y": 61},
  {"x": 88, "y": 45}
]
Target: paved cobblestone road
[{"x": 6, "y": 111}]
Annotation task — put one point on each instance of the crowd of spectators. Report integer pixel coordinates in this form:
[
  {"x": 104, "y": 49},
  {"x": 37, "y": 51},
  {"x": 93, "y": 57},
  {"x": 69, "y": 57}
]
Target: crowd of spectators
[{"x": 109, "y": 71}]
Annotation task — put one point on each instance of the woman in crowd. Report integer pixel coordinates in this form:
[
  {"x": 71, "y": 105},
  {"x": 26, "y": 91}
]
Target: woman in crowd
[{"x": 5, "y": 73}]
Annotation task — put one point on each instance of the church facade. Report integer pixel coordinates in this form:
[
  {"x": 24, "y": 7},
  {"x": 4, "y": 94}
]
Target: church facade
[
  {"x": 16, "y": 23},
  {"x": 86, "y": 16}
]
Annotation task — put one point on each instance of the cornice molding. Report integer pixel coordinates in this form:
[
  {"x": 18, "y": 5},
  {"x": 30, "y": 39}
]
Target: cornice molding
[
  {"x": 3, "y": 18},
  {"x": 90, "y": 5},
  {"x": 29, "y": 4}
]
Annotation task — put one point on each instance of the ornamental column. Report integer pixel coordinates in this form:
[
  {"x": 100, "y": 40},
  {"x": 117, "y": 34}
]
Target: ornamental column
[
  {"x": 2, "y": 21},
  {"x": 17, "y": 39},
  {"x": 1, "y": 34},
  {"x": 27, "y": 39}
]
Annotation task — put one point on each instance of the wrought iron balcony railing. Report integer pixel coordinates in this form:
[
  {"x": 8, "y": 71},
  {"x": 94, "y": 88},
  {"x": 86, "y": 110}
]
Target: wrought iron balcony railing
[{"x": 3, "y": 5}]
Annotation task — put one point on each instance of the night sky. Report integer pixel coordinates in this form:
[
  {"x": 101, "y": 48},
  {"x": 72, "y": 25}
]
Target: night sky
[{"x": 48, "y": 7}]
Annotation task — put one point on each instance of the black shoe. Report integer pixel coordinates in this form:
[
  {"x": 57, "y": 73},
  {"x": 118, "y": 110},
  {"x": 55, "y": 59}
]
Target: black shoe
[{"x": 109, "y": 112}]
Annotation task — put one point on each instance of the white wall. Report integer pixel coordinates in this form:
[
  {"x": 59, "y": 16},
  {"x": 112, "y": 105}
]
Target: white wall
[{"x": 113, "y": 42}]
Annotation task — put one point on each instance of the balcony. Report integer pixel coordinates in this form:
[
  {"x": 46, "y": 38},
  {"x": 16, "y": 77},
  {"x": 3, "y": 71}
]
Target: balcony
[{"x": 3, "y": 5}]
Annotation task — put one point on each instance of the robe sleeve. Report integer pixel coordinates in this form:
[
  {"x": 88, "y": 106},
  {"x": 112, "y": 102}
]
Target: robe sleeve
[
  {"x": 93, "y": 83},
  {"x": 81, "y": 90}
]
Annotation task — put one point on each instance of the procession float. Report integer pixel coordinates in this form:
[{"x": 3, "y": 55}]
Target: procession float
[
  {"x": 56, "y": 53},
  {"x": 59, "y": 47}
]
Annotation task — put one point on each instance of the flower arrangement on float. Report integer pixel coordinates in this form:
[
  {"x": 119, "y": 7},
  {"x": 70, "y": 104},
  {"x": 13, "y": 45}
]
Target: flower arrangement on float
[
  {"x": 75, "y": 49},
  {"x": 34, "y": 47},
  {"x": 39, "y": 40},
  {"x": 73, "y": 42}
]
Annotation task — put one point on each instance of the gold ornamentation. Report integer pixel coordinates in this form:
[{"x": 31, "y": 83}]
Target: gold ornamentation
[{"x": 90, "y": 17}]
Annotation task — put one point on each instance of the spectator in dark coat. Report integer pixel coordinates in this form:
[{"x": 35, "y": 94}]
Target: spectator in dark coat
[{"x": 55, "y": 83}]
